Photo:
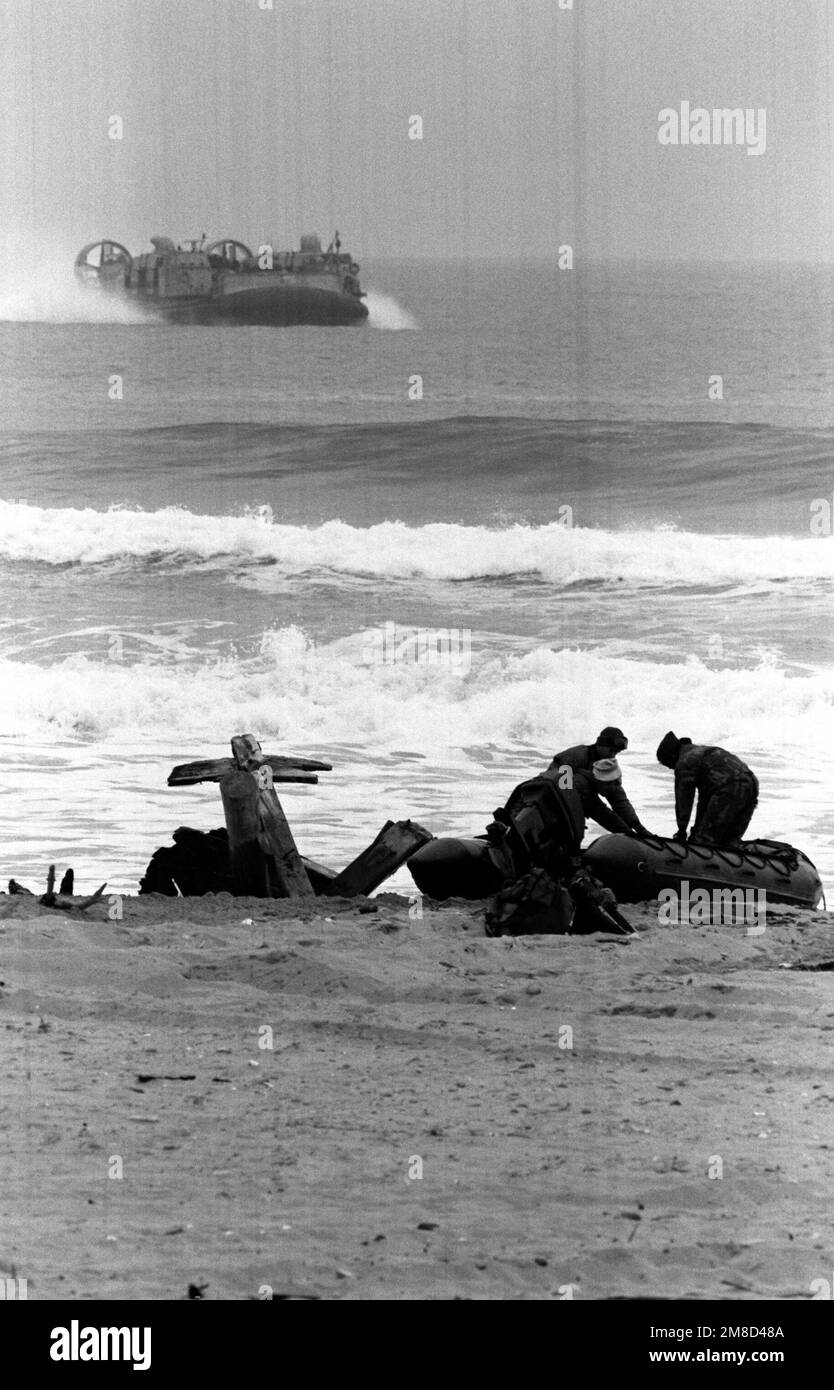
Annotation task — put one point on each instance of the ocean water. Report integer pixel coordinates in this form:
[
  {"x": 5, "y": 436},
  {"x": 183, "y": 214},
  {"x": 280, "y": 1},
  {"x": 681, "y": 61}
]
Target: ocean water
[{"x": 266, "y": 534}]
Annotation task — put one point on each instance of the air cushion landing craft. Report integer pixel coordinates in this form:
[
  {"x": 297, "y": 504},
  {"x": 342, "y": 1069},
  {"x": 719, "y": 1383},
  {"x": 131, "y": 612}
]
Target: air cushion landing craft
[{"x": 226, "y": 282}]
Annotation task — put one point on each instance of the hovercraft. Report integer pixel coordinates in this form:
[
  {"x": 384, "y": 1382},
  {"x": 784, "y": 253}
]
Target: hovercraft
[
  {"x": 226, "y": 282},
  {"x": 638, "y": 869}
]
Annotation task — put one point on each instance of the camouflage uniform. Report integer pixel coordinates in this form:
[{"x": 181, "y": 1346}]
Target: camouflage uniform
[
  {"x": 728, "y": 793},
  {"x": 580, "y": 759}
]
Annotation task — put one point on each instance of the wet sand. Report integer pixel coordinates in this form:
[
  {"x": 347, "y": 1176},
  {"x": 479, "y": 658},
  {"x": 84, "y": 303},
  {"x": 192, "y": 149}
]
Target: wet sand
[{"x": 554, "y": 1162}]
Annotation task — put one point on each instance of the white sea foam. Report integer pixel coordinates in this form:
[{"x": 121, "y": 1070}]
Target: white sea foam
[
  {"x": 90, "y": 743},
  {"x": 441, "y": 551},
  {"x": 48, "y": 292},
  {"x": 386, "y": 312},
  {"x": 299, "y": 693}
]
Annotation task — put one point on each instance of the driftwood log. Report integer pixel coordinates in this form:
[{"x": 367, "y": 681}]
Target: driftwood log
[
  {"x": 64, "y": 898},
  {"x": 263, "y": 860},
  {"x": 395, "y": 843},
  {"x": 263, "y": 856},
  {"x": 212, "y": 769}
]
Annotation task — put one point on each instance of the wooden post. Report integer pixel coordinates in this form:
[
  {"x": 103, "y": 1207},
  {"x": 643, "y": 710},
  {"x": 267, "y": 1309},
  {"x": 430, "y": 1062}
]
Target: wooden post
[
  {"x": 263, "y": 855},
  {"x": 276, "y": 839},
  {"x": 239, "y": 791},
  {"x": 264, "y": 858}
]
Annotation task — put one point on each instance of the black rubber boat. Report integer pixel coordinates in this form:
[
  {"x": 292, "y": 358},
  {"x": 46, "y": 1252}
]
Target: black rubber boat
[
  {"x": 529, "y": 863},
  {"x": 637, "y": 870}
]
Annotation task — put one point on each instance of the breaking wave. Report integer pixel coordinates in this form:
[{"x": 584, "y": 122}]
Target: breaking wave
[
  {"x": 439, "y": 551},
  {"x": 297, "y": 692}
]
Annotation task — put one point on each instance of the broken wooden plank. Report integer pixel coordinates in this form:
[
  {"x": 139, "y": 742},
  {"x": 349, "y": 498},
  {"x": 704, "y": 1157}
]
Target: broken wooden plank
[
  {"x": 277, "y": 761},
  {"x": 211, "y": 770},
  {"x": 395, "y": 843},
  {"x": 206, "y": 770},
  {"x": 319, "y": 875},
  {"x": 247, "y": 755},
  {"x": 88, "y": 902},
  {"x": 276, "y": 840},
  {"x": 73, "y": 902}
]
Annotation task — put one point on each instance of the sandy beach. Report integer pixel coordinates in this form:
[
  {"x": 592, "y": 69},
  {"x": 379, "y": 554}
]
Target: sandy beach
[{"x": 566, "y": 1101}]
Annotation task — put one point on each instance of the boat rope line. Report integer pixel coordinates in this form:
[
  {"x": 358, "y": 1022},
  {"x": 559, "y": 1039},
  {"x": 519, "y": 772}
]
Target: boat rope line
[{"x": 780, "y": 858}]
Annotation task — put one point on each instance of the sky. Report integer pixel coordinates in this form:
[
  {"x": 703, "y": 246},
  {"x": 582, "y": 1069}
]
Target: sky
[{"x": 540, "y": 125}]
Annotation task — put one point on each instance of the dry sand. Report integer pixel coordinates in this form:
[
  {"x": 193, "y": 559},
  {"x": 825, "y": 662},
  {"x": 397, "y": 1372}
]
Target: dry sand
[{"x": 396, "y": 1040}]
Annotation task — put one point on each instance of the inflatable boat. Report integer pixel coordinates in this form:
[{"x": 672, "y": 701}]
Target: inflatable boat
[
  {"x": 457, "y": 868},
  {"x": 541, "y": 823},
  {"x": 636, "y": 870}
]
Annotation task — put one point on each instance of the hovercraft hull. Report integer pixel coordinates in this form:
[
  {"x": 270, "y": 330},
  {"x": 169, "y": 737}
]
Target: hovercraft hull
[
  {"x": 637, "y": 870},
  {"x": 279, "y": 307},
  {"x": 227, "y": 283}
]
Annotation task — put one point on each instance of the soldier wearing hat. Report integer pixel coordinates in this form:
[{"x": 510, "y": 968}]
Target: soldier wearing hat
[
  {"x": 592, "y": 769},
  {"x": 728, "y": 791}
]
